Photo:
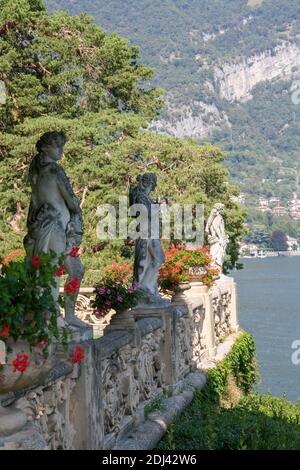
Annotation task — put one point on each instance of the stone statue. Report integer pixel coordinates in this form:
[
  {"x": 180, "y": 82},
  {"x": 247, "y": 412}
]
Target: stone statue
[
  {"x": 149, "y": 254},
  {"x": 216, "y": 236},
  {"x": 54, "y": 220}
]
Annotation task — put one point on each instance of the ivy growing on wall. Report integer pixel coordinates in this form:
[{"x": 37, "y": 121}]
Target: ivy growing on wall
[
  {"x": 229, "y": 415},
  {"x": 240, "y": 363}
]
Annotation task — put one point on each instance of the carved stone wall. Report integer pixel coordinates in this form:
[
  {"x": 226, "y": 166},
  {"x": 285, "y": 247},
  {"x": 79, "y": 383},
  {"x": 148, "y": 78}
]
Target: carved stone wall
[
  {"x": 130, "y": 376},
  {"x": 93, "y": 405},
  {"x": 199, "y": 339},
  {"x": 48, "y": 407},
  {"x": 184, "y": 345},
  {"x": 221, "y": 303}
]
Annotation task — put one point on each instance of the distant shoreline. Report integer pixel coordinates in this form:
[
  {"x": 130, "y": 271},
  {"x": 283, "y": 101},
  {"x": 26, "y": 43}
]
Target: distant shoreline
[{"x": 273, "y": 254}]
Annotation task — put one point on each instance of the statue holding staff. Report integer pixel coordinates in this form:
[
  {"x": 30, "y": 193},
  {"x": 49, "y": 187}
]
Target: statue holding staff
[{"x": 149, "y": 254}]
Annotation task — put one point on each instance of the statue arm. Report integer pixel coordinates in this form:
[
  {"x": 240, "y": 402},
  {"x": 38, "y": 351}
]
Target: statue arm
[
  {"x": 32, "y": 209},
  {"x": 67, "y": 192}
]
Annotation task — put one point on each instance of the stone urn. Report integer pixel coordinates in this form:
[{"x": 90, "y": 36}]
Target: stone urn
[
  {"x": 12, "y": 380},
  {"x": 197, "y": 273},
  {"x": 124, "y": 320},
  {"x": 121, "y": 320},
  {"x": 179, "y": 297}
]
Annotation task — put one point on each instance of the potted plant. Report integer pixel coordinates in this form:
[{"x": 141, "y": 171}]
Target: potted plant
[
  {"x": 28, "y": 329},
  {"x": 184, "y": 265},
  {"x": 116, "y": 292}
]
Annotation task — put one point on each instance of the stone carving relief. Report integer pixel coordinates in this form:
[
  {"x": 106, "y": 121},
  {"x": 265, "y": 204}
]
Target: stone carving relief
[
  {"x": 199, "y": 342},
  {"x": 149, "y": 366},
  {"x": 226, "y": 308},
  {"x": 113, "y": 398},
  {"x": 221, "y": 309},
  {"x": 48, "y": 407},
  {"x": 184, "y": 351},
  {"x": 129, "y": 377},
  {"x": 85, "y": 312}
]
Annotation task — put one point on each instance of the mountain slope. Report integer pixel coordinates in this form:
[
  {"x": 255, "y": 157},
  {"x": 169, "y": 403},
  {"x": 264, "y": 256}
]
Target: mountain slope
[{"x": 227, "y": 68}]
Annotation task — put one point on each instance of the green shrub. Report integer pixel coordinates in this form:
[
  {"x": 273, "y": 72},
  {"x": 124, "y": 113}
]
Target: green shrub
[
  {"x": 254, "y": 423},
  {"x": 240, "y": 363}
]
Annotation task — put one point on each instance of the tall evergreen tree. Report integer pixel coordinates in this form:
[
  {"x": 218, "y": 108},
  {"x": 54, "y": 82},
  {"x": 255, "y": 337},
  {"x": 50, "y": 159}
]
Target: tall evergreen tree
[{"x": 62, "y": 72}]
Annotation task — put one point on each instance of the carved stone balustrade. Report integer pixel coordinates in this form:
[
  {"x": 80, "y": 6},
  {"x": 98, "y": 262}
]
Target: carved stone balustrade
[
  {"x": 98, "y": 403},
  {"x": 85, "y": 312}
]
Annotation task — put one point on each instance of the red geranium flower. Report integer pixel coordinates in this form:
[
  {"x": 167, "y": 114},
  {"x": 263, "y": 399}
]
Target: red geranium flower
[
  {"x": 72, "y": 286},
  {"x": 5, "y": 332},
  {"x": 20, "y": 363},
  {"x": 78, "y": 355},
  {"x": 74, "y": 253},
  {"x": 61, "y": 270},
  {"x": 35, "y": 261}
]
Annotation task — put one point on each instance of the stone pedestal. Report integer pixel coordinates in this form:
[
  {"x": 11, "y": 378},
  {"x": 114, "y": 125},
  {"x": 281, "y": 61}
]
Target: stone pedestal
[
  {"x": 234, "y": 324},
  {"x": 227, "y": 284},
  {"x": 124, "y": 321},
  {"x": 180, "y": 295},
  {"x": 199, "y": 296}
]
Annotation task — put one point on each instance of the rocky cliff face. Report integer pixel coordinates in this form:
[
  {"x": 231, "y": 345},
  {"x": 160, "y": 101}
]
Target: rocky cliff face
[
  {"x": 236, "y": 80},
  {"x": 196, "y": 120}
]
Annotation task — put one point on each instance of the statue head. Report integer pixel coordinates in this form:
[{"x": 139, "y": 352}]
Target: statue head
[
  {"x": 50, "y": 149},
  {"x": 147, "y": 181},
  {"x": 51, "y": 145},
  {"x": 219, "y": 207}
]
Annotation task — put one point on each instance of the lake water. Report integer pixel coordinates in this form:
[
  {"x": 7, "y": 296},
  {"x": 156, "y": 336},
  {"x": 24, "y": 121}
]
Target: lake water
[{"x": 269, "y": 308}]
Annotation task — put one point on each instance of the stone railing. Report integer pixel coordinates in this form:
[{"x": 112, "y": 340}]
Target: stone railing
[
  {"x": 85, "y": 312},
  {"x": 98, "y": 404}
]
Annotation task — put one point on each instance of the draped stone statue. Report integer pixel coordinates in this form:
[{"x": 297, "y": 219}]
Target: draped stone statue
[
  {"x": 54, "y": 220},
  {"x": 216, "y": 236},
  {"x": 149, "y": 254}
]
